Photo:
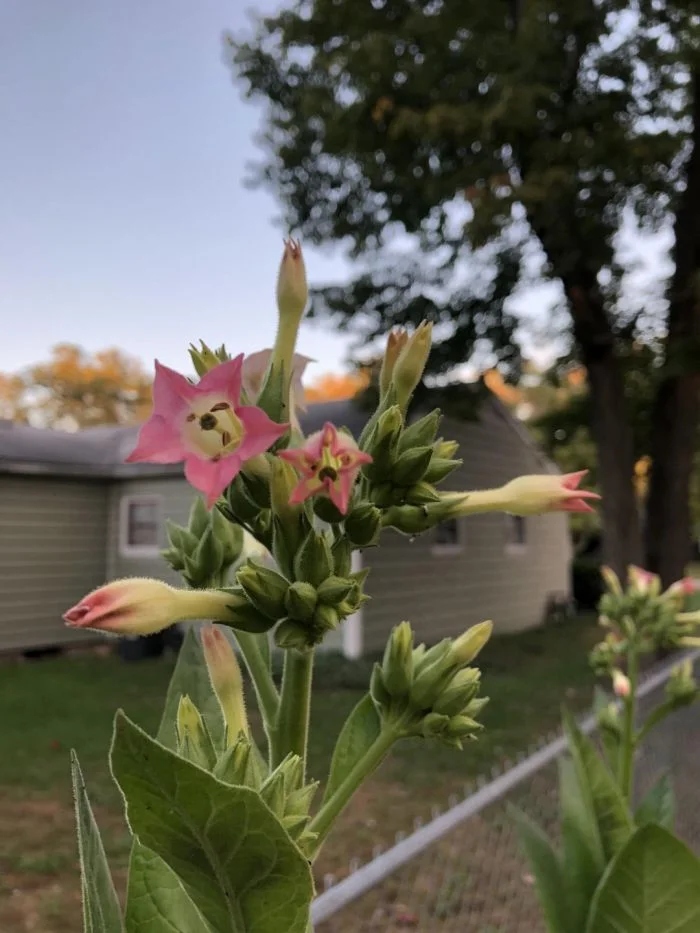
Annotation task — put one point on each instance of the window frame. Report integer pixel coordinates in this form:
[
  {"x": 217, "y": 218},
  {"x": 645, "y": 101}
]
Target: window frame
[
  {"x": 515, "y": 547},
  {"x": 139, "y": 550},
  {"x": 441, "y": 549}
]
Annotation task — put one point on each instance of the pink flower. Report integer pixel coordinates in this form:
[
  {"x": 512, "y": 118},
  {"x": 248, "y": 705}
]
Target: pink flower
[
  {"x": 128, "y": 607},
  {"x": 621, "y": 684},
  {"x": 687, "y": 586},
  {"x": 328, "y": 463},
  {"x": 205, "y": 426},
  {"x": 532, "y": 495},
  {"x": 254, "y": 369},
  {"x": 643, "y": 581}
]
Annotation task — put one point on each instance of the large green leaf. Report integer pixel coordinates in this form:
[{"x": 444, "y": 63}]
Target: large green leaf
[
  {"x": 156, "y": 902},
  {"x": 658, "y": 805},
  {"x": 612, "y": 813},
  {"x": 652, "y": 886},
  {"x": 547, "y": 869},
  {"x": 190, "y": 677},
  {"x": 583, "y": 858},
  {"x": 101, "y": 911},
  {"x": 231, "y": 854},
  {"x": 361, "y": 729}
]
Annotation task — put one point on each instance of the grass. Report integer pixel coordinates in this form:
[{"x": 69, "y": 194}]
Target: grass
[{"x": 52, "y": 705}]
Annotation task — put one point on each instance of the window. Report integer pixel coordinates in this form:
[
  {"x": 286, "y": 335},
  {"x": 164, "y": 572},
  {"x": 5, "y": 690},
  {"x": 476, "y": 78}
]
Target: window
[
  {"x": 140, "y": 525},
  {"x": 516, "y": 533},
  {"x": 447, "y": 538}
]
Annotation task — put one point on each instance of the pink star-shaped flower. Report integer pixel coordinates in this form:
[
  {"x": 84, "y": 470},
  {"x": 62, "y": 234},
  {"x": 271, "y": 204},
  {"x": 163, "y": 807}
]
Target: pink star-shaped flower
[
  {"x": 328, "y": 463},
  {"x": 205, "y": 426}
]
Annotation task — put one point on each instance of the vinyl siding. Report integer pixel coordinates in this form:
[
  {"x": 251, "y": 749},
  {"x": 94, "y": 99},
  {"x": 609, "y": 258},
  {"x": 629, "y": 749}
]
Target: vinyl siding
[
  {"x": 53, "y": 549},
  {"x": 442, "y": 594}
]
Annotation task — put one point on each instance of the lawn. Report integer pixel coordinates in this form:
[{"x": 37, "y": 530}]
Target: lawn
[{"x": 51, "y": 705}]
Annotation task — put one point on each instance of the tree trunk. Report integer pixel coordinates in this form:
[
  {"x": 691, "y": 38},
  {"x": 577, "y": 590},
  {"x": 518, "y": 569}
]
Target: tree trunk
[
  {"x": 610, "y": 425},
  {"x": 676, "y": 409}
]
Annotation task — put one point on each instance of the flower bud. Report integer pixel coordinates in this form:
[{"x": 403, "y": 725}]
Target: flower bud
[
  {"x": 643, "y": 581},
  {"x": 475, "y": 706},
  {"x": 233, "y": 766},
  {"x": 290, "y": 634},
  {"x": 621, "y": 684},
  {"x": 445, "y": 450},
  {"x": 314, "y": 561},
  {"x": 334, "y": 590},
  {"x": 433, "y": 724},
  {"x": 396, "y": 341},
  {"x": 194, "y": 742},
  {"x": 410, "y": 466},
  {"x": 608, "y": 718},
  {"x": 465, "y": 648},
  {"x": 383, "y": 443},
  {"x": 422, "y": 494},
  {"x": 458, "y": 692},
  {"x": 265, "y": 588},
  {"x": 377, "y": 688},
  {"x": 226, "y": 680},
  {"x": 460, "y": 727},
  {"x": 430, "y": 679},
  {"x": 325, "y": 618},
  {"x": 410, "y": 365},
  {"x": 205, "y": 359},
  {"x": 363, "y": 525},
  {"x": 440, "y": 468},
  {"x": 397, "y": 666},
  {"x": 292, "y": 290},
  {"x": 611, "y": 580},
  {"x": 421, "y": 432},
  {"x": 300, "y": 601}
]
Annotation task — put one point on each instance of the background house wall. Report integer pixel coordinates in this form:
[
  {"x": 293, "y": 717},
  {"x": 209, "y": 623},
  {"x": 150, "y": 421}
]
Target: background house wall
[{"x": 53, "y": 550}]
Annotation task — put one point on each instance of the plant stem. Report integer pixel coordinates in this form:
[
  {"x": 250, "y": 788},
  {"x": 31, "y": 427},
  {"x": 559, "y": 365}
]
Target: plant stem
[
  {"x": 629, "y": 742},
  {"x": 265, "y": 690},
  {"x": 371, "y": 759},
  {"x": 292, "y": 729}
]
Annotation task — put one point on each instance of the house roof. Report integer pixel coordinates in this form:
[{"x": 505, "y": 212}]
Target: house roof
[{"x": 100, "y": 452}]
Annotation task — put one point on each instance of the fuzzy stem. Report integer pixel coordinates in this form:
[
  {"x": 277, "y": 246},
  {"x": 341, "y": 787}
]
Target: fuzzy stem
[
  {"x": 629, "y": 742},
  {"x": 292, "y": 729}
]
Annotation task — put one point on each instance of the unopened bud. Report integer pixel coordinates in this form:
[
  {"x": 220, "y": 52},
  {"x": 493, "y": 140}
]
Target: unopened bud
[
  {"x": 226, "y": 680},
  {"x": 461, "y": 726},
  {"x": 363, "y": 524},
  {"x": 292, "y": 290},
  {"x": 467, "y": 646},
  {"x": 265, "y": 588},
  {"x": 290, "y": 634},
  {"x": 194, "y": 742},
  {"x": 433, "y": 724},
  {"x": 314, "y": 561},
  {"x": 423, "y": 494},
  {"x": 410, "y": 365},
  {"x": 643, "y": 581},
  {"x": 440, "y": 468},
  {"x": 326, "y": 618},
  {"x": 431, "y": 677},
  {"x": 458, "y": 692},
  {"x": 397, "y": 666},
  {"x": 205, "y": 359},
  {"x": 334, "y": 590},
  {"x": 410, "y": 466},
  {"x": 301, "y": 601},
  {"x": 396, "y": 341},
  {"x": 621, "y": 684},
  {"x": 611, "y": 580},
  {"x": 445, "y": 450},
  {"x": 421, "y": 432}
]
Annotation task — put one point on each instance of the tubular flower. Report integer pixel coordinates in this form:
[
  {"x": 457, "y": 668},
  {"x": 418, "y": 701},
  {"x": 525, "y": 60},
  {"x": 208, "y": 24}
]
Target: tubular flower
[
  {"x": 531, "y": 495},
  {"x": 292, "y": 290},
  {"x": 205, "y": 426},
  {"x": 328, "y": 463}
]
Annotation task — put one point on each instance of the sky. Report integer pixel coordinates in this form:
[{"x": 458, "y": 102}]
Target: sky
[{"x": 124, "y": 219}]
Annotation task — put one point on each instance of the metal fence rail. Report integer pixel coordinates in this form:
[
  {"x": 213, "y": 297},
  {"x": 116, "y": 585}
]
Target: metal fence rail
[{"x": 464, "y": 872}]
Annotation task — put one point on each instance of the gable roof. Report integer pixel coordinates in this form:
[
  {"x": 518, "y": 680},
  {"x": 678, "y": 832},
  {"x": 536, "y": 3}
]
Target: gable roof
[{"x": 99, "y": 453}]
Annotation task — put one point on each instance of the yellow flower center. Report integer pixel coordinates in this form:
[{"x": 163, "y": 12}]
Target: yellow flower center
[{"x": 212, "y": 429}]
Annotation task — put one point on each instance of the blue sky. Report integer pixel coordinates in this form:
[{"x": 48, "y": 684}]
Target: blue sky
[{"x": 123, "y": 216}]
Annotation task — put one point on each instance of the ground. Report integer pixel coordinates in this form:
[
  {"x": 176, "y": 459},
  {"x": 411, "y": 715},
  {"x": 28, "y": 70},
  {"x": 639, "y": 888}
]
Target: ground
[{"x": 54, "y": 704}]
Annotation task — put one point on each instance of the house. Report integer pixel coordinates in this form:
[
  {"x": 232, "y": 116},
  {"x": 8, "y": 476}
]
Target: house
[{"x": 73, "y": 515}]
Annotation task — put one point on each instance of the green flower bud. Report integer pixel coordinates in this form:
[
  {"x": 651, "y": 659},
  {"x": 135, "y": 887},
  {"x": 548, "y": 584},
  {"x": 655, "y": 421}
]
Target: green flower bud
[
  {"x": 457, "y": 693},
  {"x": 433, "y": 724},
  {"x": 290, "y": 634},
  {"x": 397, "y": 665},
  {"x": 409, "y": 367},
  {"x": 243, "y": 615},
  {"x": 410, "y": 466},
  {"x": 363, "y": 525},
  {"x": 230, "y": 538},
  {"x": 205, "y": 359},
  {"x": 474, "y": 707},
  {"x": 467, "y": 646},
  {"x": 334, "y": 590},
  {"x": 241, "y": 506},
  {"x": 198, "y": 520},
  {"x": 342, "y": 557},
  {"x": 445, "y": 450},
  {"x": 326, "y": 511},
  {"x": 440, "y": 468},
  {"x": 272, "y": 792},
  {"x": 299, "y": 801},
  {"x": 300, "y": 601},
  {"x": 382, "y": 495},
  {"x": 422, "y": 494},
  {"x": 461, "y": 726},
  {"x": 326, "y": 618},
  {"x": 608, "y": 718},
  {"x": 265, "y": 588},
  {"x": 396, "y": 341},
  {"x": 383, "y": 444},
  {"x": 430, "y": 680},
  {"x": 209, "y": 553},
  {"x": 314, "y": 561},
  {"x": 377, "y": 689},
  {"x": 232, "y": 767},
  {"x": 256, "y": 482},
  {"x": 194, "y": 741},
  {"x": 420, "y": 432}
]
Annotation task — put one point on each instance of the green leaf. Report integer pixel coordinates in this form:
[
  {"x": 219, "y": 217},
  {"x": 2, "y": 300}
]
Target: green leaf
[
  {"x": 156, "y": 902},
  {"x": 232, "y": 856},
  {"x": 547, "y": 869},
  {"x": 101, "y": 911},
  {"x": 652, "y": 886},
  {"x": 361, "y": 729},
  {"x": 658, "y": 805},
  {"x": 612, "y": 814},
  {"x": 583, "y": 858},
  {"x": 190, "y": 678}
]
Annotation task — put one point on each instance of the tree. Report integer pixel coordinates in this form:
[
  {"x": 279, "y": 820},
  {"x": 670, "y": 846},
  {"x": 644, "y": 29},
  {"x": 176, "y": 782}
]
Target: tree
[
  {"x": 473, "y": 146},
  {"x": 74, "y": 389},
  {"x": 331, "y": 387}
]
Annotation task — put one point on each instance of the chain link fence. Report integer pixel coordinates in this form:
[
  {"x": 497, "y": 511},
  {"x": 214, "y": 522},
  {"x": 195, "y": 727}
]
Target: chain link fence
[{"x": 464, "y": 871}]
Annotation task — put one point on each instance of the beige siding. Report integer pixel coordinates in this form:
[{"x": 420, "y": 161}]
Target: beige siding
[
  {"x": 441, "y": 594},
  {"x": 52, "y": 551}
]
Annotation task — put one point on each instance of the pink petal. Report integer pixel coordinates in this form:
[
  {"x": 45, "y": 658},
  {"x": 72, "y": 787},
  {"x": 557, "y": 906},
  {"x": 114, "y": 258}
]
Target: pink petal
[
  {"x": 253, "y": 370},
  {"x": 575, "y": 505},
  {"x": 340, "y": 497},
  {"x": 158, "y": 442},
  {"x": 299, "y": 459},
  {"x": 224, "y": 379},
  {"x": 211, "y": 477},
  {"x": 302, "y": 491},
  {"x": 171, "y": 392},
  {"x": 572, "y": 480},
  {"x": 261, "y": 432}
]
